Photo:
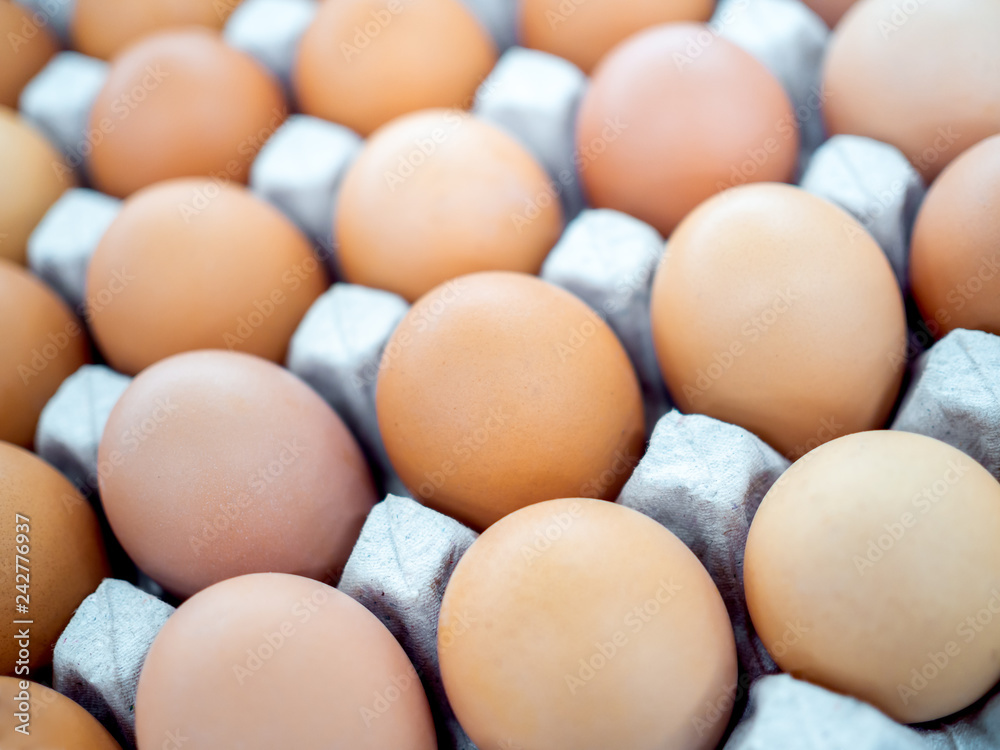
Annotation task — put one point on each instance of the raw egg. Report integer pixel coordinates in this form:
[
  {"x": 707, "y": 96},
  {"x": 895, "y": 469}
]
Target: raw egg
[
  {"x": 181, "y": 104},
  {"x": 51, "y": 721},
  {"x": 103, "y": 28},
  {"x": 189, "y": 264},
  {"x": 776, "y": 311},
  {"x": 440, "y": 194},
  {"x": 32, "y": 177},
  {"x": 955, "y": 252},
  {"x": 271, "y": 661},
  {"x": 27, "y": 46},
  {"x": 52, "y": 559},
  {"x": 41, "y": 344},
  {"x": 215, "y": 464},
  {"x": 676, "y": 114},
  {"x": 581, "y": 624},
  {"x": 364, "y": 62},
  {"x": 499, "y": 390},
  {"x": 584, "y": 31},
  {"x": 872, "y": 569},
  {"x": 919, "y": 75}
]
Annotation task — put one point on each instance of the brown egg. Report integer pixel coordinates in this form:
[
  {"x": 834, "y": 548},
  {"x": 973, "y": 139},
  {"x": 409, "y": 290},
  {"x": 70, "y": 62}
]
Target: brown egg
[
  {"x": 830, "y": 11},
  {"x": 103, "y": 28},
  {"x": 53, "y": 558},
  {"x": 215, "y": 464},
  {"x": 776, "y": 311},
  {"x": 181, "y": 104},
  {"x": 271, "y": 661},
  {"x": 189, "y": 264},
  {"x": 955, "y": 252},
  {"x": 920, "y": 75},
  {"x": 586, "y": 625},
  {"x": 584, "y": 31},
  {"x": 499, "y": 390},
  {"x": 27, "y": 46},
  {"x": 41, "y": 344},
  {"x": 51, "y": 722},
  {"x": 364, "y": 62},
  {"x": 675, "y": 115},
  {"x": 439, "y": 194},
  {"x": 32, "y": 177},
  {"x": 872, "y": 568}
]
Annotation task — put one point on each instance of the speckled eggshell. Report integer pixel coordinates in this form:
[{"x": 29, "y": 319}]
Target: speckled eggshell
[
  {"x": 27, "y": 46},
  {"x": 54, "y": 721}
]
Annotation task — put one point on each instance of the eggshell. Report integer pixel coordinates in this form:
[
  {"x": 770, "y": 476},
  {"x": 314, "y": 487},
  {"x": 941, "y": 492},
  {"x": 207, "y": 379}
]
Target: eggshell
[
  {"x": 499, "y": 390},
  {"x": 872, "y": 569},
  {"x": 41, "y": 344},
  {"x": 215, "y": 464},
  {"x": 277, "y": 661},
  {"x": 59, "y": 559},
  {"x": 955, "y": 251},
  {"x": 32, "y": 177},
  {"x": 440, "y": 194},
  {"x": 103, "y": 28},
  {"x": 55, "y": 721},
  {"x": 189, "y": 264},
  {"x": 27, "y": 46},
  {"x": 583, "y": 32},
  {"x": 921, "y": 76},
  {"x": 830, "y": 11},
  {"x": 774, "y": 310},
  {"x": 673, "y": 116},
  {"x": 580, "y": 624},
  {"x": 364, "y": 62},
  {"x": 181, "y": 104}
]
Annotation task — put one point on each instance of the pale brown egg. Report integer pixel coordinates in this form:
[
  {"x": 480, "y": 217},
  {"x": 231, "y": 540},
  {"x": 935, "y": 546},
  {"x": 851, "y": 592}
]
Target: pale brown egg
[
  {"x": 872, "y": 569},
  {"x": 499, "y": 390},
  {"x": 830, "y": 11},
  {"x": 364, "y": 62},
  {"x": 440, "y": 194},
  {"x": 955, "y": 251},
  {"x": 32, "y": 177},
  {"x": 272, "y": 661},
  {"x": 52, "y": 559},
  {"x": 181, "y": 104},
  {"x": 103, "y": 28},
  {"x": 51, "y": 721},
  {"x": 675, "y": 115},
  {"x": 215, "y": 464},
  {"x": 41, "y": 344},
  {"x": 921, "y": 76},
  {"x": 27, "y": 45},
  {"x": 189, "y": 264},
  {"x": 776, "y": 311},
  {"x": 584, "y": 31},
  {"x": 581, "y": 624}
]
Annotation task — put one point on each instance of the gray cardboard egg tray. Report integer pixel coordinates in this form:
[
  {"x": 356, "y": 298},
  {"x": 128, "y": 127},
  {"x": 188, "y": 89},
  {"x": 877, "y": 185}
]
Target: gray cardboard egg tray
[{"x": 701, "y": 478}]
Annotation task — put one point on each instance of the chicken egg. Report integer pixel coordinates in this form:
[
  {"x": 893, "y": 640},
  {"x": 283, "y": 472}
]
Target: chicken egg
[
  {"x": 51, "y": 720},
  {"x": 27, "y": 46}
]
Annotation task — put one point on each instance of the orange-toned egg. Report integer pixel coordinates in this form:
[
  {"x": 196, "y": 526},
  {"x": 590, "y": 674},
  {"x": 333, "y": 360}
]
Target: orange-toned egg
[
  {"x": 53, "y": 558},
  {"x": 188, "y": 264},
  {"x": 215, "y": 464},
  {"x": 32, "y": 177},
  {"x": 181, "y": 104},
  {"x": 955, "y": 251},
  {"x": 830, "y": 11},
  {"x": 776, "y": 311},
  {"x": 921, "y": 76},
  {"x": 27, "y": 45},
  {"x": 41, "y": 344},
  {"x": 440, "y": 194},
  {"x": 676, "y": 114},
  {"x": 499, "y": 390},
  {"x": 581, "y": 624},
  {"x": 103, "y": 28},
  {"x": 272, "y": 661},
  {"x": 364, "y": 62},
  {"x": 51, "y": 721},
  {"x": 583, "y": 32}
]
